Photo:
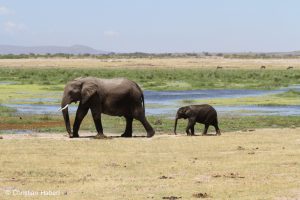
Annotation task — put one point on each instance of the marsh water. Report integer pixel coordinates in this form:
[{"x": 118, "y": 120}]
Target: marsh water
[{"x": 167, "y": 102}]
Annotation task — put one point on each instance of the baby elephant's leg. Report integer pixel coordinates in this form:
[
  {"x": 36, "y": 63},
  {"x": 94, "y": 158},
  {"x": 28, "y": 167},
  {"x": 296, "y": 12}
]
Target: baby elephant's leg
[
  {"x": 205, "y": 129},
  {"x": 190, "y": 126},
  {"x": 218, "y": 132},
  {"x": 193, "y": 130}
]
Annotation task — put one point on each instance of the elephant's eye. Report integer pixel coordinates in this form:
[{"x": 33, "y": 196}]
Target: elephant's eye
[{"x": 75, "y": 91}]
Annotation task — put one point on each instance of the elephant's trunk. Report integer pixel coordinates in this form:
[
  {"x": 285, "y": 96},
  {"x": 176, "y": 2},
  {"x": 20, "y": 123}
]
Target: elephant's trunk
[
  {"x": 65, "y": 112},
  {"x": 175, "y": 126}
]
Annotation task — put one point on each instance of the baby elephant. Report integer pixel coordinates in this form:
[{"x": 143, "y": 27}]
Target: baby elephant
[{"x": 204, "y": 114}]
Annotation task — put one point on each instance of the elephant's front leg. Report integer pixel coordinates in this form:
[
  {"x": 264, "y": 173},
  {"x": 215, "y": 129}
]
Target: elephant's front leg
[
  {"x": 80, "y": 114},
  {"x": 96, "y": 113},
  {"x": 193, "y": 130},
  {"x": 128, "y": 130},
  {"x": 190, "y": 126},
  {"x": 187, "y": 130}
]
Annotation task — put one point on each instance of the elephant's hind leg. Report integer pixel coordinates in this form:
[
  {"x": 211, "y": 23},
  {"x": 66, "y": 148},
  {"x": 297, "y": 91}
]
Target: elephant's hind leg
[
  {"x": 205, "y": 129},
  {"x": 147, "y": 126},
  {"x": 218, "y": 132},
  {"x": 128, "y": 130},
  {"x": 138, "y": 113}
]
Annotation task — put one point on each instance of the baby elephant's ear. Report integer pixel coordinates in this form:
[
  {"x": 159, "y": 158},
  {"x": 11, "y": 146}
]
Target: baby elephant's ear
[
  {"x": 187, "y": 111},
  {"x": 88, "y": 89}
]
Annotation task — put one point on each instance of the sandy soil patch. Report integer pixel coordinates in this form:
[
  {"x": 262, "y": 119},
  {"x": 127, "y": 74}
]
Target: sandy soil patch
[
  {"x": 205, "y": 63},
  {"x": 261, "y": 164}
]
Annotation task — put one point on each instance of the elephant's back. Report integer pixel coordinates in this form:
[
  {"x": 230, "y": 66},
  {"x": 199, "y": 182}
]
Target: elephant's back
[
  {"x": 121, "y": 87},
  {"x": 207, "y": 114},
  {"x": 204, "y": 108},
  {"x": 117, "y": 83}
]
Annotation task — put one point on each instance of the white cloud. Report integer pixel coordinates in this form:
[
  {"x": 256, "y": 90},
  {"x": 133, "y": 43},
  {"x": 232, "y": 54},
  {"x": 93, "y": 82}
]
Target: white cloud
[
  {"x": 5, "y": 11},
  {"x": 12, "y": 27},
  {"x": 111, "y": 33}
]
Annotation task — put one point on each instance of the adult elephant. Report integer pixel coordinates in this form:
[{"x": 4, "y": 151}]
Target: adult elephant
[{"x": 116, "y": 97}]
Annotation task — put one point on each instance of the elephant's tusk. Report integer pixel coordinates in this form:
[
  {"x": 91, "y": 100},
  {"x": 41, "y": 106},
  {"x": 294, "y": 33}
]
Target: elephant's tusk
[{"x": 63, "y": 108}]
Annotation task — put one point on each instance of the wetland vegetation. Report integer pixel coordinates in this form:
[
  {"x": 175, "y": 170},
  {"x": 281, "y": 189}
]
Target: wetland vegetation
[
  {"x": 21, "y": 86},
  {"x": 159, "y": 79}
]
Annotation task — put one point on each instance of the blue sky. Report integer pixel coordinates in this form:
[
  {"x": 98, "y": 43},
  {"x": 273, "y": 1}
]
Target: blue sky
[{"x": 154, "y": 25}]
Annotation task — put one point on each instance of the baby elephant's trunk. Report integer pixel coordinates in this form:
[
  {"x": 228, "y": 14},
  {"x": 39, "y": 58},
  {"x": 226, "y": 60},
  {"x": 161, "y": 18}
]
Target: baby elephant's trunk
[{"x": 175, "y": 125}]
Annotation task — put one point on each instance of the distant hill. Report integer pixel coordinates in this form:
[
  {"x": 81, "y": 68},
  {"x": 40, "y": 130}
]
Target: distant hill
[{"x": 75, "y": 50}]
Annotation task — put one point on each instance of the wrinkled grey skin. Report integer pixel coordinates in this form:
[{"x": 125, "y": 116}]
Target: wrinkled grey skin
[
  {"x": 116, "y": 97},
  {"x": 204, "y": 114}
]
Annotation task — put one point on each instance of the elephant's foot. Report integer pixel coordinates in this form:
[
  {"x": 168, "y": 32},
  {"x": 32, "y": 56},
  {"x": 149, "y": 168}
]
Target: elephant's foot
[
  {"x": 150, "y": 134},
  {"x": 126, "y": 134},
  {"x": 73, "y": 135},
  {"x": 204, "y": 134},
  {"x": 218, "y": 133},
  {"x": 100, "y": 136},
  {"x": 188, "y": 133}
]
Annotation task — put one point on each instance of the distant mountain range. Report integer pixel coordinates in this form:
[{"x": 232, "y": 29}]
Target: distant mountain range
[
  {"x": 81, "y": 49},
  {"x": 75, "y": 50}
]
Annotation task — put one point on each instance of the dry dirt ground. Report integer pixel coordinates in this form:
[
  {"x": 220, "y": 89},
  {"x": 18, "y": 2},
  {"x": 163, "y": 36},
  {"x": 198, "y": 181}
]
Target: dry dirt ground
[
  {"x": 258, "y": 164},
  {"x": 205, "y": 63}
]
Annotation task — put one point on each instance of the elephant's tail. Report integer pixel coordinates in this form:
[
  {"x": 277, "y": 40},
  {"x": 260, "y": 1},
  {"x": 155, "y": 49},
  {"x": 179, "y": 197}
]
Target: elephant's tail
[
  {"x": 142, "y": 96},
  {"x": 143, "y": 102}
]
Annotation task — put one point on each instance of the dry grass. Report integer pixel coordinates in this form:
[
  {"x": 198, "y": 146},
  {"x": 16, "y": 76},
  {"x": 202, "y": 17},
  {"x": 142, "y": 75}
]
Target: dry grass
[
  {"x": 263, "y": 164},
  {"x": 205, "y": 63}
]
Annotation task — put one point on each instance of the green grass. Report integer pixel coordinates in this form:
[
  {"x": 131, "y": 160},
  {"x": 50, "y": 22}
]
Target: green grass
[
  {"x": 23, "y": 94},
  {"x": 6, "y": 111},
  {"x": 160, "y": 79}
]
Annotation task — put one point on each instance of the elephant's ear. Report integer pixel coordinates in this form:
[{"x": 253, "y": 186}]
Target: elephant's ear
[
  {"x": 88, "y": 89},
  {"x": 187, "y": 111}
]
